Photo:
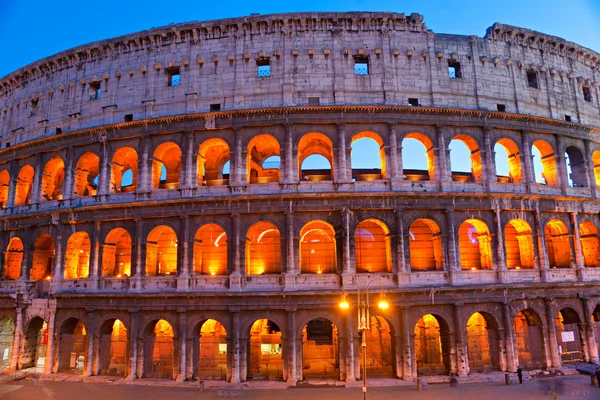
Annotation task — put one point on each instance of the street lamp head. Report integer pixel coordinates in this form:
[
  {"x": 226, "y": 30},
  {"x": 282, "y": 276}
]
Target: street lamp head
[
  {"x": 383, "y": 304},
  {"x": 344, "y": 305}
]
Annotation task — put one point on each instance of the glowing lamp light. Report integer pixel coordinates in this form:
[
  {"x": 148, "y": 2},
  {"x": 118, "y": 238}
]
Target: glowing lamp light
[
  {"x": 80, "y": 251},
  {"x": 213, "y": 273},
  {"x": 517, "y": 267},
  {"x": 344, "y": 305},
  {"x": 383, "y": 304},
  {"x": 118, "y": 276},
  {"x": 473, "y": 269},
  {"x": 48, "y": 278}
]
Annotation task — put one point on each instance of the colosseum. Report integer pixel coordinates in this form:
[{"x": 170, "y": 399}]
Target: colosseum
[{"x": 162, "y": 216}]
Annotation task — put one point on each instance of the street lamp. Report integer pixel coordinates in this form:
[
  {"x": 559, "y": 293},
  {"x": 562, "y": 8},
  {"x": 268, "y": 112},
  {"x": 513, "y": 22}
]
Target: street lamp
[{"x": 364, "y": 319}]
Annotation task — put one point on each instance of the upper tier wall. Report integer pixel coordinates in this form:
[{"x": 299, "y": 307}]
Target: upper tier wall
[{"x": 311, "y": 56}]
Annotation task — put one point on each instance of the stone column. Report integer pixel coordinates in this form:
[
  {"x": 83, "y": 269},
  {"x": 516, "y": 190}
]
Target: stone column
[
  {"x": 182, "y": 346},
  {"x": 139, "y": 267},
  {"x": 104, "y": 178},
  {"x": 349, "y": 328},
  {"x": 68, "y": 185},
  {"x": 563, "y": 179},
  {"x": 527, "y": 157},
  {"x": 589, "y": 332},
  {"x": 579, "y": 263},
  {"x": 292, "y": 376},
  {"x": 401, "y": 264},
  {"x": 487, "y": 161},
  {"x": 589, "y": 168},
  {"x": 541, "y": 241},
  {"x": 236, "y": 167},
  {"x": 551, "y": 338},
  {"x": 236, "y": 244},
  {"x": 144, "y": 184},
  {"x": 132, "y": 344},
  {"x": 184, "y": 259},
  {"x": 49, "y": 362},
  {"x": 395, "y": 165},
  {"x": 290, "y": 242},
  {"x": 58, "y": 257},
  {"x": 341, "y": 175},
  {"x": 499, "y": 240},
  {"x": 405, "y": 329},
  {"x": 347, "y": 269},
  {"x": 452, "y": 250},
  {"x": 461, "y": 353},
  {"x": 95, "y": 252},
  {"x": 91, "y": 329},
  {"x": 12, "y": 186},
  {"x": 509, "y": 342},
  {"x": 25, "y": 263},
  {"x": 289, "y": 173},
  {"x": 16, "y": 345},
  {"x": 235, "y": 351},
  {"x": 187, "y": 163},
  {"x": 36, "y": 186},
  {"x": 444, "y": 172}
]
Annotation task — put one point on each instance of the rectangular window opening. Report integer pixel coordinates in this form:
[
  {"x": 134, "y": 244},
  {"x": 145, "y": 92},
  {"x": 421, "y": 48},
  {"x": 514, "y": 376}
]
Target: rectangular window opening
[
  {"x": 413, "y": 102},
  {"x": 58, "y": 131},
  {"x": 128, "y": 117},
  {"x": 263, "y": 68},
  {"x": 361, "y": 65},
  {"x": 173, "y": 76},
  {"x": 532, "y": 79},
  {"x": 501, "y": 107},
  {"x": 7, "y": 145},
  {"x": 587, "y": 94},
  {"x": 567, "y": 118},
  {"x": 454, "y": 71},
  {"x": 95, "y": 91},
  {"x": 314, "y": 101},
  {"x": 215, "y": 107},
  {"x": 34, "y": 107}
]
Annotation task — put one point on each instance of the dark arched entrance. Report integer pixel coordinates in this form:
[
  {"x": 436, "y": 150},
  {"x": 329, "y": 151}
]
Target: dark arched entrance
[
  {"x": 320, "y": 349},
  {"x": 483, "y": 350}
]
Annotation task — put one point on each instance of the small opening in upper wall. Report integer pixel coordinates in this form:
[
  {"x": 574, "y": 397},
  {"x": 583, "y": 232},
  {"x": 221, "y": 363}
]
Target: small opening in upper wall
[
  {"x": 567, "y": 118},
  {"x": 361, "y": 65},
  {"x": 215, "y": 107},
  {"x": 532, "y": 79},
  {"x": 34, "y": 107},
  {"x": 263, "y": 68},
  {"x": 587, "y": 94},
  {"x": 501, "y": 107},
  {"x": 454, "y": 71},
  {"x": 173, "y": 76},
  {"x": 413, "y": 102},
  {"x": 314, "y": 101},
  {"x": 128, "y": 117},
  {"x": 58, "y": 131},
  {"x": 95, "y": 91}
]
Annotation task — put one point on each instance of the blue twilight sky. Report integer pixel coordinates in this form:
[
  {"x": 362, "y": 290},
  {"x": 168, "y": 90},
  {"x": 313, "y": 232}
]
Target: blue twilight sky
[{"x": 34, "y": 29}]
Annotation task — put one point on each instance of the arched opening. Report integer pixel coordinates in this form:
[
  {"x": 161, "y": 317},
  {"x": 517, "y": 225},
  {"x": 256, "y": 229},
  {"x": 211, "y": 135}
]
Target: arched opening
[
  {"x": 465, "y": 159},
  {"x": 265, "y": 361},
  {"x": 116, "y": 254},
  {"x": 596, "y": 162},
  {"x": 529, "y": 341},
  {"x": 210, "y": 250},
  {"x": 7, "y": 335},
  {"x": 86, "y": 175},
  {"x": 425, "y": 246},
  {"x": 315, "y": 157},
  {"x": 544, "y": 163},
  {"x": 43, "y": 258},
  {"x": 34, "y": 347},
  {"x": 77, "y": 256},
  {"x": 596, "y": 325},
  {"x": 72, "y": 349},
  {"x": 210, "y": 351},
  {"x": 518, "y": 243},
  {"x": 53, "y": 179},
  {"x": 167, "y": 156},
  {"x": 159, "y": 351},
  {"x": 367, "y": 157},
  {"x": 161, "y": 252},
  {"x": 372, "y": 247},
  {"x": 123, "y": 173},
  {"x": 508, "y": 161},
  {"x": 4, "y": 185},
  {"x": 317, "y": 248},
  {"x": 589, "y": 244},
  {"x": 213, "y": 154},
  {"x": 320, "y": 349},
  {"x": 263, "y": 160},
  {"x": 568, "y": 335},
  {"x": 418, "y": 160},
  {"x": 558, "y": 244},
  {"x": 113, "y": 356},
  {"x": 483, "y": 338},
  {"x": 23, "y": 186},
  {"x": 263, "y": 249},
  {"x": 576, "y": 167},
  {"x": 432, "y": 346},
  {"x": 13, "y": 259},
  {"x": 380, "y": 354},
  {"x": 474, "y": 243}
]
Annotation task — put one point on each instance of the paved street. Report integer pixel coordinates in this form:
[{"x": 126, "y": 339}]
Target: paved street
[{"x": 575, "y": 387}]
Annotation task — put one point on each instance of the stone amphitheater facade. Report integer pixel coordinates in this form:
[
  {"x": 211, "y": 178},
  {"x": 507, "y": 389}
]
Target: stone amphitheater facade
[{"x": 145, "y": 236}]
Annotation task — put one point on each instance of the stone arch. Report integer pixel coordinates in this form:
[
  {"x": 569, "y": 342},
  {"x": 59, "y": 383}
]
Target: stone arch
[
  {"x": 372, "y": 173},
  {"x": 372, "y": 247},
  {"x": 113, "y": 348},
  {"x": 161, "y": 251},
  {"x": 590, "y": 244},
  {"x": 261, "y": 148},
  {"x": 72, "y": 353},
  {"x": 320, "y": 349},
  {"x": 483, "y": 342},
  {"x": 263, "y": 249},
  {"x": 417, "y": 175},
  {"x": 381, "y": 353},
  {"x": 85, "y": 178},
  {"x": 474, "y": 243},
  {"x": 210, "y": 250},
  {"x": 432, "y": 345},
  {"x": 547, "y": 162},
  {"x": 166, "y": 161},
  {"x": 558, "y": 244},
  {"x": 317, "y": 248},
  {"x": 472, "y": 145},
  {"x": 213, "y": 154},
  {"x": 24, "y": 185},
  {"x": 4, "y": 186},
  {"x": 13, "y": 259},
  {"x": 77, "y": 256},
  {"x": 124, "y": 170},
  {"x": 7, "y": 335},
  {"x": 576, "y": 164},
  {"x": 425, "y": 246},
  {"x": 512, "y": 157},
  {"x": 518, "y": 244},
  {"x": 529, "y": 342},
  {"x": 264, "y": 350},
  {"x": 42, "y": 262},
  {"x": 315, "y": 144},
  {"x": 53, "y": 179},
  {"x": 33, "y": 353},
  {"x": 569, "y": 335},
  {"x": 116, "y": 254},
  {"x": 160, "y": 351},
  {"x": 209, "y": 351},
  {"x": 596, "y": 163}
]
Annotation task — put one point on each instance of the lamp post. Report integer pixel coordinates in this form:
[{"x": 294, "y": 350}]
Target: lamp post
[{"x": 364, "y": 319}]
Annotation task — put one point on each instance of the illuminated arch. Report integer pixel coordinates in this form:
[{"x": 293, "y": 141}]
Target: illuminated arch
[
  {"x": 34, "y": 344},
  {"x": 7, "y": 336},
  {"x": 124, "y": 165},
  {"x": 213, "y": 154},
  {"x": 590, "y": 244},
  {"x": 261, "y": 148},
  {"x": 13, "y": 259},
  {"x": 432, "y": 345},
  {"x": 159, "y": 352},
  {"x": 72, "y": 354},
  {"x": 357, "y": 155},
  {"x": 116, "y": 254},
  {"x": 85, "y": 179},
  {"x": 4, "y": 185},
  {"x": 567, "y": 320},
  {"x": 43, "y": 258},
  {"x": 320, "y": 349},
  {"x": 471, "y": 144},
  {"x": 483, "y": 342},
  {"x": 425, "y": 243},
  {"x": 373, "y": 248},
  {"x": 263, "y": 249},
  {"x": 317, "y": 248},
  {"x": 474, "y": 243},
  {"x": 316, "y": 146},
  {"x": 529, "y": 339},
  {"x": 265, "y": 350},
  {"x": 558, "y": 244},
  {"x": 113, "y": 348},
  {"x": 210, "y": 351},
  {"x": 23, "y": 185},
  {"x": 576, "y": 168},
  {"x": 210, "y": 250},
  {"x": 596, "y": 162},
  {"x": 546, "y": 163},
  {"x": 507, "y": 152},
  {"x": 53, "y": 179},
  {"x": 518, "y": 243},
  {"x": 161, "y": 251},
  {"x": 77, "y": 256},
  {"x": 167, "y": 155},
  {"x": 410, "y": 151}
]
